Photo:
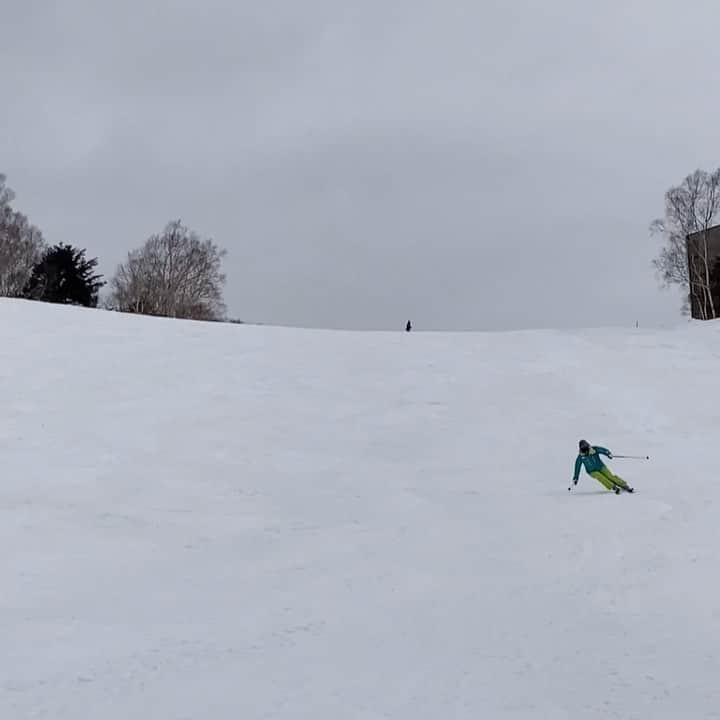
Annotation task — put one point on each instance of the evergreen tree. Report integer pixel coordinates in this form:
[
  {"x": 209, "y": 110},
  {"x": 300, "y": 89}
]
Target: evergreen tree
[{"x": 65, "y": 275}]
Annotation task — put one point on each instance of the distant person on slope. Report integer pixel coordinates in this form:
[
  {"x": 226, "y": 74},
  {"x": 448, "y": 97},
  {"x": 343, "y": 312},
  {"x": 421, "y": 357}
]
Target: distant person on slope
[{"x": 589, "y": 457}]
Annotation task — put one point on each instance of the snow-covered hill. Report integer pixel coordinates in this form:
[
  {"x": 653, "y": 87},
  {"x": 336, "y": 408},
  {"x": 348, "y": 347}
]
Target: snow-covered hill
[{"x": 214, "y": 522}]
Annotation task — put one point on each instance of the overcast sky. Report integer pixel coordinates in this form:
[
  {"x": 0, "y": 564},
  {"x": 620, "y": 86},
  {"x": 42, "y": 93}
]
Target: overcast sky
[{"x": 466, "y": 164}]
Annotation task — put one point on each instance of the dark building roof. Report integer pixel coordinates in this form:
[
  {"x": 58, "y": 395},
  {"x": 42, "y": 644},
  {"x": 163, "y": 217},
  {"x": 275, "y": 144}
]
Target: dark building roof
[{"x": 713, "y": 238}]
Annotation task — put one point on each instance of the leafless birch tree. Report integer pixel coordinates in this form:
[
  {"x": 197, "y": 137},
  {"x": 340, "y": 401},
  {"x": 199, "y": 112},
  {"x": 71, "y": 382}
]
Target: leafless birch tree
[
  {"x": 691, "y": 209},
  {"x": 21, "y": 245},
  {"x": 175, "y": 274}
]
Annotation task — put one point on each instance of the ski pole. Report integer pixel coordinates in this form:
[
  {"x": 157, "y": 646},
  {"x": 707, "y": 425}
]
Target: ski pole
[{"x": 632, "y": 457}]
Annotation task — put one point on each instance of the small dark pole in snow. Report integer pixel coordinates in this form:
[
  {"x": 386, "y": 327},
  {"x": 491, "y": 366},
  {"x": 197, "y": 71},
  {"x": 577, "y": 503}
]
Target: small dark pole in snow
[{"x": 408, "y": 327}]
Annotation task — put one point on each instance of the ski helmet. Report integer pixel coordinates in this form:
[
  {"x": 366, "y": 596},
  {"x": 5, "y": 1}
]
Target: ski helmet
[{"x": 584, "y": 447}]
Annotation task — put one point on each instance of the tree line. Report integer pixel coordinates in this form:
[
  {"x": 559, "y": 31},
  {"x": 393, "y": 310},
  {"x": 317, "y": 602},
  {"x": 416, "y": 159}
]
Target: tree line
[{"x": 175, "y": 273}]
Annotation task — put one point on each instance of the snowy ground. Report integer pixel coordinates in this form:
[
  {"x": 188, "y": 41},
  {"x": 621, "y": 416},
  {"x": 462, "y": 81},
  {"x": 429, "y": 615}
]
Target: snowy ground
[{"x": 216, "y": 522}]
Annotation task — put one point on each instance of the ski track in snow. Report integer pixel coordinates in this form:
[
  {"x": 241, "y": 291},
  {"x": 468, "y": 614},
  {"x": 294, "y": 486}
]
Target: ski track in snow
[{"x": 219, "y": 521}]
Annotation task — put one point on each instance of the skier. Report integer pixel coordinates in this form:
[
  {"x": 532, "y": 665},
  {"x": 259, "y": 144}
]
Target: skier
[
  {"x": 408, "y": 327},
  {"x": 589, "y": 457}
]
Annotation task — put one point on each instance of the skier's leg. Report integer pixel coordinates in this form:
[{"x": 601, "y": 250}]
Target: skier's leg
[
  {"x": 614, "y": 478},
  {"x": 603, "y": 480}
]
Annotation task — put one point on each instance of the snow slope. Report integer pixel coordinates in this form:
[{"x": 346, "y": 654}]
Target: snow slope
[{"x": 221, "y": 522}]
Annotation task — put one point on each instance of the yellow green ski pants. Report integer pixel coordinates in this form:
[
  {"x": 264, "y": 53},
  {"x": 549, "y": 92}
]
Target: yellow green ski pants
[{"x": 607, "y": 478}]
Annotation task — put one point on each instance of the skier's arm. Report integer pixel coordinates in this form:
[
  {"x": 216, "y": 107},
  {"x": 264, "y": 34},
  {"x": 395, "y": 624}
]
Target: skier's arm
[
  {"x": 578, "y": 464},
  {"x": 603, "y": 451}
]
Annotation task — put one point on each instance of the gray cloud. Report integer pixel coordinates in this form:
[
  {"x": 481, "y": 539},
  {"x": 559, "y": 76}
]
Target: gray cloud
[{"x": 467, "y": 165}]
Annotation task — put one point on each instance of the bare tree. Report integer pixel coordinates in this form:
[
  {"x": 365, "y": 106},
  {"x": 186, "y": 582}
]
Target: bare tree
[
  {"x": 691, "y": 209},
  {"x": 175, "y": 274},
  {"x": 6, "y": 194},
  {"x": 21, "y": 245}
]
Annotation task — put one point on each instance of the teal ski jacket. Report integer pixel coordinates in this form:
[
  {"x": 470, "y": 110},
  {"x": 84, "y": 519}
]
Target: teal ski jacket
[{"x": 591, "y": 461}]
